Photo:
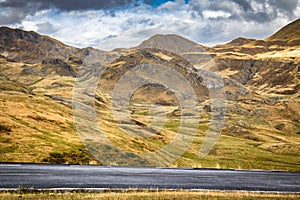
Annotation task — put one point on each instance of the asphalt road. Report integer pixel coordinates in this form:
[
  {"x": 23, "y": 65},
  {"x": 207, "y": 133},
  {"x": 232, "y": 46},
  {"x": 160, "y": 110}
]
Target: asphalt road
[{"x": 36, "y": 176}]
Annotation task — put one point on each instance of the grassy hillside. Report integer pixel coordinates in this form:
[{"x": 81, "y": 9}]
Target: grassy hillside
[{"x": 261, "y": 86}]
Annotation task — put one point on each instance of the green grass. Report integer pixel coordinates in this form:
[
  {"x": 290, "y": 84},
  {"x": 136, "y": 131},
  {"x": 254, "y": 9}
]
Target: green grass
[{"x": 238, "y": 153}]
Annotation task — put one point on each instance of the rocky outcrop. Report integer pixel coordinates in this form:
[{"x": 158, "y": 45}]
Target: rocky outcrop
[{"x": 58, "y": 66}]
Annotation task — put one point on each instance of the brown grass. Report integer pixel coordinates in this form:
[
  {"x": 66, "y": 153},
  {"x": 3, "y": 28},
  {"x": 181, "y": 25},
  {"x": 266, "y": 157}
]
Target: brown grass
[{"x": 147, "y": 195}]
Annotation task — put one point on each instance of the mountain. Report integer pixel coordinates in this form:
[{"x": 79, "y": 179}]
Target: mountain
[
  {"x": 172, "y": 43},
  {"x": 268, "y": 65},
  {"x": 19, "y": 45},
  {"x": 260, "y": 79},
  {"x": 286, "y": 40},
  {"x": 289, "y": 33},
  {"x": 240, "y": 41}
]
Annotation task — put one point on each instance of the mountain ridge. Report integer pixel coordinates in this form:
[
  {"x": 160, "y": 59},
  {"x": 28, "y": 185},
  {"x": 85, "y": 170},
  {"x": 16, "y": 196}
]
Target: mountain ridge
[
  {"x": 155, "y": 40},
  {"x": 31, "y": 46}
]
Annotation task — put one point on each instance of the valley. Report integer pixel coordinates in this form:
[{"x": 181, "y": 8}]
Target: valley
[{"x": 54, "y": 98}]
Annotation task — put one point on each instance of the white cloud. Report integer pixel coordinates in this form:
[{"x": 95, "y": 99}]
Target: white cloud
[
  {"x": 170, "y": 5},
  {"x": 215, "y": 14}
]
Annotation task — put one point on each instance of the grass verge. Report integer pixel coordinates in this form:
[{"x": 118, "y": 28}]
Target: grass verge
[{"x": 142, "y": 194}]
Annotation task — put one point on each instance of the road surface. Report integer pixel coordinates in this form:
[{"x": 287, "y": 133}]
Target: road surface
[{"x": 39, "y": 176}]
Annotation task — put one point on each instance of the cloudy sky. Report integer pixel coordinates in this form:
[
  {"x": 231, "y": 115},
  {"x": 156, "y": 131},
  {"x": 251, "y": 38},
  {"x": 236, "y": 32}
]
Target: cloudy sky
[{"x": 108, "y": 24}]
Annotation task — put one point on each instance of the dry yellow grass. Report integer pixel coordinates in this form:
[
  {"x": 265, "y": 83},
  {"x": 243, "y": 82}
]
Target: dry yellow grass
[{"x": 149, "y": 195}]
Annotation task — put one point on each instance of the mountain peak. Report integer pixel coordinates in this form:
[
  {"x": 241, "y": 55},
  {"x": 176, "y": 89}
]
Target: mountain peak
[
  {"x": 240, "y": 41},
  {"x": 170, "y": 37},
  {"x": 171, "y": 42}
]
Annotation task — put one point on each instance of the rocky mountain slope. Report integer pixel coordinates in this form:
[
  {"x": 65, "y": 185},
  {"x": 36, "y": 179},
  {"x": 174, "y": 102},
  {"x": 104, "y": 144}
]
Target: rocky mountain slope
[
  {"x": 18, "y": 45},
  {"x": 259, "y": 78}
]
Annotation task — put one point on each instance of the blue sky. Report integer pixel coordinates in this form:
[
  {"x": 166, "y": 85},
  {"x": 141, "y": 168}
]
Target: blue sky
[
  {"x": 156, "y": 3},
  {"x": 125, "y": 23}
]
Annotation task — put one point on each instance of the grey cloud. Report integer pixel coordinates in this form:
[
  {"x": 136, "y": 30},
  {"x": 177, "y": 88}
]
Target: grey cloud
[
  {"x": 46, "y": 28},
  {"x": 14, "y": 11},
  {"x": 198, "y": 7},
  {"x": 14, "y": 14},
  {"x": 221, "y": 5},
  {"x": 243, "y": 10},
  {"x": 244, "y": 4},
  {"x": 67, "y": 5},
  {"x": 260, "y": 17},
  {"x": 285, "y": 5},
  {"x": 11, "y": 16}
]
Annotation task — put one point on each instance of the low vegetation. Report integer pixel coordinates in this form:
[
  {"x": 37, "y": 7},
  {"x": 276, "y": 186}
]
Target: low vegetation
[{"x": 145, "y": 195}]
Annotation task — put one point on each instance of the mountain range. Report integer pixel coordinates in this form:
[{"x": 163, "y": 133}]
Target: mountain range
[{"x": 258, "y": 82}]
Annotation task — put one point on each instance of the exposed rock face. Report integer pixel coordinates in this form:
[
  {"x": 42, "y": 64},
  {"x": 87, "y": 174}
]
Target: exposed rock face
[
  {"x": 272, "y": 74},
  {"x": 58, "y": 66},
  {"x": 245, "y": 68}
]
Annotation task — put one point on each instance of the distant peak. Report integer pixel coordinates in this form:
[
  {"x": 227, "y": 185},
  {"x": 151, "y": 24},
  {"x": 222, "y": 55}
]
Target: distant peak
[
  {"x": 171, "y": 42},
  {"x": 240, "y": 41},
  {"x": 170, "y": 37}
]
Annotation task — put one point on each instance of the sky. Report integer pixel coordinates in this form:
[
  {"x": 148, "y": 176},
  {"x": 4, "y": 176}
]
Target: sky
[{"x": 109, "y": 24}]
